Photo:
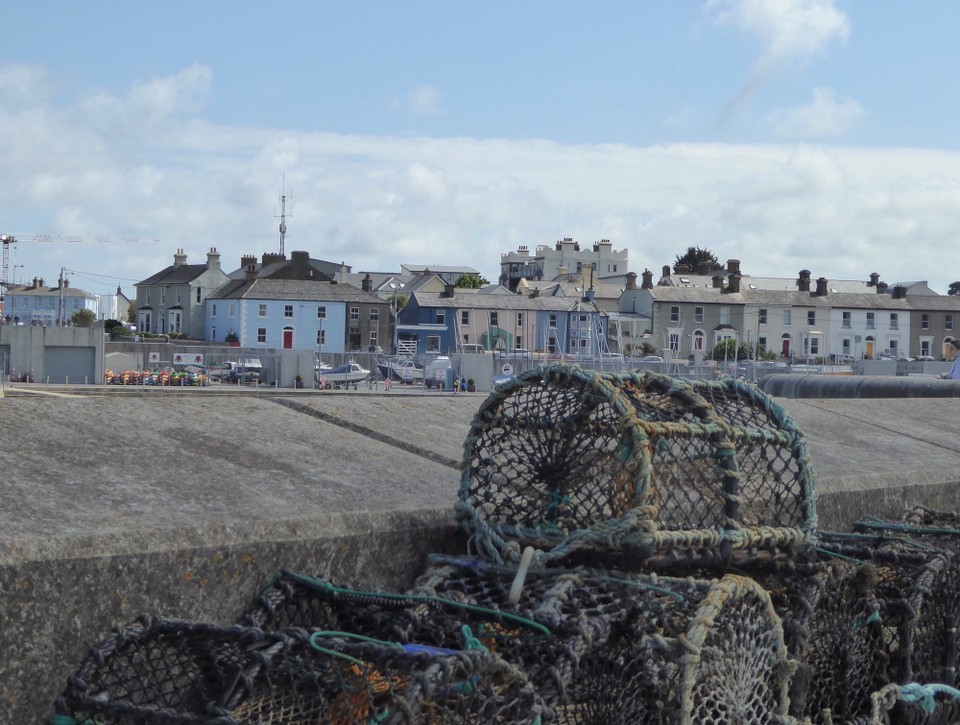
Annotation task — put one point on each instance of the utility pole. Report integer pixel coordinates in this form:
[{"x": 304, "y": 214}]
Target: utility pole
[{"x": 283, "y": 214}]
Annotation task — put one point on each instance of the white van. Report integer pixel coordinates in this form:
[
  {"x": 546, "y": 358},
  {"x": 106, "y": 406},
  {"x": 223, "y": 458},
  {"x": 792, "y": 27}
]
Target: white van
[
  {"x": 472, "y": 349},
  {"x": 435, "y": 374}
]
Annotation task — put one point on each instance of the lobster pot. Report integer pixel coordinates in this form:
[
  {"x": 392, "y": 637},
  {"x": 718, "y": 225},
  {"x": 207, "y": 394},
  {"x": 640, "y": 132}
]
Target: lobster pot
[
  {"x": 918, "y": 592},
  {"x": 832, "y": 628},
  {"x": 639, "y": 468},
  {"x": 940, "y": 529},
  {"x": 650, "y": 649},
  {"x": 164, "y": 671}
]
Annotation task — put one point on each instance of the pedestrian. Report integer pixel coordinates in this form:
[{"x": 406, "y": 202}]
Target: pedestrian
[
  {"x": 388, "y": 383},
  {"x": 954, "y": 373}
]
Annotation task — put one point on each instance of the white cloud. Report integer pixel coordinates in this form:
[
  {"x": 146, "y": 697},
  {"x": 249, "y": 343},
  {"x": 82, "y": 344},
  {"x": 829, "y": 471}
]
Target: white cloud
[
  {"x": 825, "y": 115},
  {"x": 788, "y": 30},
  {"x": 425, "y": 100},
  {"x": 378, "y": 202}
]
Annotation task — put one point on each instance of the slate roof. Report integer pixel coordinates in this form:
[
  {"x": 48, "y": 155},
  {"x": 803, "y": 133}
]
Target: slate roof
[
  {"x": 292, "y": 289},
  {"x": 503, "y": 302},
  {"x": 182, "y": 274}
]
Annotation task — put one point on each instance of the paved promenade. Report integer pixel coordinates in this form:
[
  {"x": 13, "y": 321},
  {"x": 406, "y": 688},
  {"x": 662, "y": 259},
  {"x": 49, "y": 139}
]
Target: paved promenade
[{"x": 182, "y": 503}]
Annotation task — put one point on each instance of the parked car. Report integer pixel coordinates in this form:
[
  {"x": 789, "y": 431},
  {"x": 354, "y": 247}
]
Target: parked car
[
  {"x": 842, "y": 358},
  {"x": 651, "y": 359},
  {"x": 436, "y": 367},
  {"x": 926, "y": 358}
]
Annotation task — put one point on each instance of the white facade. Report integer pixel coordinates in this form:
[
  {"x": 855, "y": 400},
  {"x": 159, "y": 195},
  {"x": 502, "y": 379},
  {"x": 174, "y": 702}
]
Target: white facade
[{"x": 567, "y": 256}]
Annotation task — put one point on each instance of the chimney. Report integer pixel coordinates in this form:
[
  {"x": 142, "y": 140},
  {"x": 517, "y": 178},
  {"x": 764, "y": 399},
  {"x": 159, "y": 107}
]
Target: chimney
[
  {"x": 717, "y": 281},
  {"x": 733, "y": 283},
  {"x": 881, "y": 288},
  {"x": 821, "y": 287},
  {"x": 179, "y": 259},
  {"x": 250, "y": 271},
  {"x": 213, "y": 258},
  {"x": 366, "y": 284},
  {"x": 448, "y": 290},
  {"x": 874, "y": 278},
  {"x": 665, "y": 272},
  {"x": 803, "y": 282},
  {"x": 40, "y": 282},
  {"x": 733, "y": 266},
  {"x": 300, "y": 265},
  {"x": 588, "y": 295},
  {"x": 899, "y": 292},
  {"x": 271, "y": 257},
  {"x": 535, "y": 293},
  {"x": 631, "y": 279},
  {"x": 66, "y": 284}
]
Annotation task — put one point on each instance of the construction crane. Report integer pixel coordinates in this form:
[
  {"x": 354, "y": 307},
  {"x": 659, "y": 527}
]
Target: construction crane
[{"x": 9, "y": 240}]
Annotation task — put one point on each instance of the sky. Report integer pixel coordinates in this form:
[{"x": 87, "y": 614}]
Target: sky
[{"x": 788, "y": 134}]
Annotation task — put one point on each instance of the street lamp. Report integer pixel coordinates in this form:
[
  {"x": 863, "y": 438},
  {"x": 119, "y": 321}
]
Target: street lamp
[{"x": 15, "y": 268}]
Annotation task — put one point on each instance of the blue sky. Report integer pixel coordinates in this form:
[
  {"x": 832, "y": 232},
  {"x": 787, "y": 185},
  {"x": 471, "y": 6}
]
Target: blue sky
[{"x": 789, "y": 134}]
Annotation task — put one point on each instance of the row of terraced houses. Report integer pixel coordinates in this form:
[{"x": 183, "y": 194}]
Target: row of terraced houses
[{"x": 554, "y": 299}]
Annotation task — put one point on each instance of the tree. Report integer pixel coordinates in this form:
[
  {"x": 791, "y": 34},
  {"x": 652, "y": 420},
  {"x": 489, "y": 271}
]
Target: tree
[
  {"x": 696, "y": 261},
  {"x": 954, "y": 289},
  {"x": 132, "y": 313},
  {"x": 83, "y": 318},
  {"x": 730, "y": 350},
  {"x": 471, "y": 281}
]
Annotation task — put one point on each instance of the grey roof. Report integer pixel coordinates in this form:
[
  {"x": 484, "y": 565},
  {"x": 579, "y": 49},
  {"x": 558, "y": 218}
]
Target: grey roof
[
  {"x": 175, "y": 274},
  {"x": 292, "y": 289},
  {"x": 713, "y": 295},
  {"x": 30, "y": 291},
  {"x": 504, "y": 302},
  {"x": 438, "y": 268}
]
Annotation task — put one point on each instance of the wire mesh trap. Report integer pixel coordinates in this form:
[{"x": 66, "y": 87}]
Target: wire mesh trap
[
  {"x": 568, "y": 460},
  {"x": 165, "y": 671},
  {"x": 645, "y": 649},
  {"x": 832, "y": 628},
  {"x": 918, "y": 592}
]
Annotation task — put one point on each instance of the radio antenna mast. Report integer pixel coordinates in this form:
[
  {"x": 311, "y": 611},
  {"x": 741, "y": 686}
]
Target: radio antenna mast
[{"x": 283, "y": 213}]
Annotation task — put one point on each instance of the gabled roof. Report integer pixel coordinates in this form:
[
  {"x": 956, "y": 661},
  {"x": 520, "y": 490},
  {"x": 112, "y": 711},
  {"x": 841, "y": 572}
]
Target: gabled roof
[
  {"x": 175, "y": 274},
  {"x": 30, "y": 291},
  {"x": 294, "y": 290},
  {"x": 419, "y": 269},
  {"x": 779, "y": 298}
]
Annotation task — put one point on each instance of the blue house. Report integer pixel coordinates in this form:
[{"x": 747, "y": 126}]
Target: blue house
[
  {"x": 37, "y": 304},
  {"x": 442, "y": 323}
]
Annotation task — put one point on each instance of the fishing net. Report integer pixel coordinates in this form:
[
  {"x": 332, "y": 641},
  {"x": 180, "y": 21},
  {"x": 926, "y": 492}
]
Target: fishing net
[
  {"x": 918, "y": 591},
  {"x": 641, "y": 466},
  {"x": 636, "y": 648},
  {"x": 165, "y": 671},
  {"x": 832, "y": 629}
]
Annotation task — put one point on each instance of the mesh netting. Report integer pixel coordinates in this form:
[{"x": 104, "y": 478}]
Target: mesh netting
[
  {"x": 646, "y": 649},
  {"x": 175, "y": 672},
  {"x": 832, "y": 628},
  {"x": 918, "y": 590},
  {"x": 569, "y": 460}
]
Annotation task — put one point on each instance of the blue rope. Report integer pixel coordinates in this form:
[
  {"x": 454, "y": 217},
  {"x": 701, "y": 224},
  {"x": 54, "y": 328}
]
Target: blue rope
[{"x": 924, "y": 694}]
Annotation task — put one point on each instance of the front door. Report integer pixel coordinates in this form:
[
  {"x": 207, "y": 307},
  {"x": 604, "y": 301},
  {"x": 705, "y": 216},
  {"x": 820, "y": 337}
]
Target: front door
[{"x": 287, "y": 338}]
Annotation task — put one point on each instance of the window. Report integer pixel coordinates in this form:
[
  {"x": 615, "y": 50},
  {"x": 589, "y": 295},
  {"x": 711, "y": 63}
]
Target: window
[
  {"x": 464, "y": 317},
  {"x": 762, "y": 344},
  {"x": 163, "y": 295},
  {"x": 786, "y": 318},
  {"x": 519, "y": 319},
  {"x": 178, "y": 295},
  {"x": 893, "y": 348},
  {"x": 148, "y": 295},
  {"x": 698, "y": 340},
  {"x": 845, "y": 346},
  {"x": 288, "y": 310},
  {"x": 493, "y": 320},
  {"x": 321, "y": 337},
  {"x": 762, "y": 316},
  {"x": 553, "y": 319},
  {"x": 354, "y": 313},
  {"x": 518, "y": 342},
  {"x": 871, "y": 320},
  {"x": 213, "y": 311},
  {"x": 261, "y": 310},
  {"x": 441, "y": 317},
  {"x": 675, "y": 343},
  {"x": 924, "y": 322},
  {"x": 213, "y": 333},
  {"x": 373, "y": 339},
  {"x": 925, "y": 347},
  {"x": 814, "y": 345},
  {"x": 948, "y": 322},
  {"x": 374, "y": 314},
  {"x": 433, "y": 343},
  {"x": 811, "y": 317},
  {"x": 261, "y": 335},
  {"x": 232, "y": 312},
  {"x": 199, "y": 290},
  {"x": 675, "y": 314},
  {"x": 846, "y": 318},
  {"x": 698, "y": 315},
  {"x": 894, "y": 321}
]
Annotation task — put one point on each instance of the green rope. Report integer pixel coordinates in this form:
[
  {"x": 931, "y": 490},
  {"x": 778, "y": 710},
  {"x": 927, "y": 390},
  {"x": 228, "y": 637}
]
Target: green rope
[
  {"x": 924, "y": 694},
  {"x": 432, "y": 600}
]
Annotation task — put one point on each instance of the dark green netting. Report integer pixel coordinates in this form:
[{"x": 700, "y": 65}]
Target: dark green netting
[{"x": 571, "y": 461}]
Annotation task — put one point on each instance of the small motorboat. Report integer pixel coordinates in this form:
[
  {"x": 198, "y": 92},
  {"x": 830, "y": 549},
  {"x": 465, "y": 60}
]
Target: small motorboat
[
  {"x": 403, "y": 370},
  {"x": 346, "y": 375}
]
